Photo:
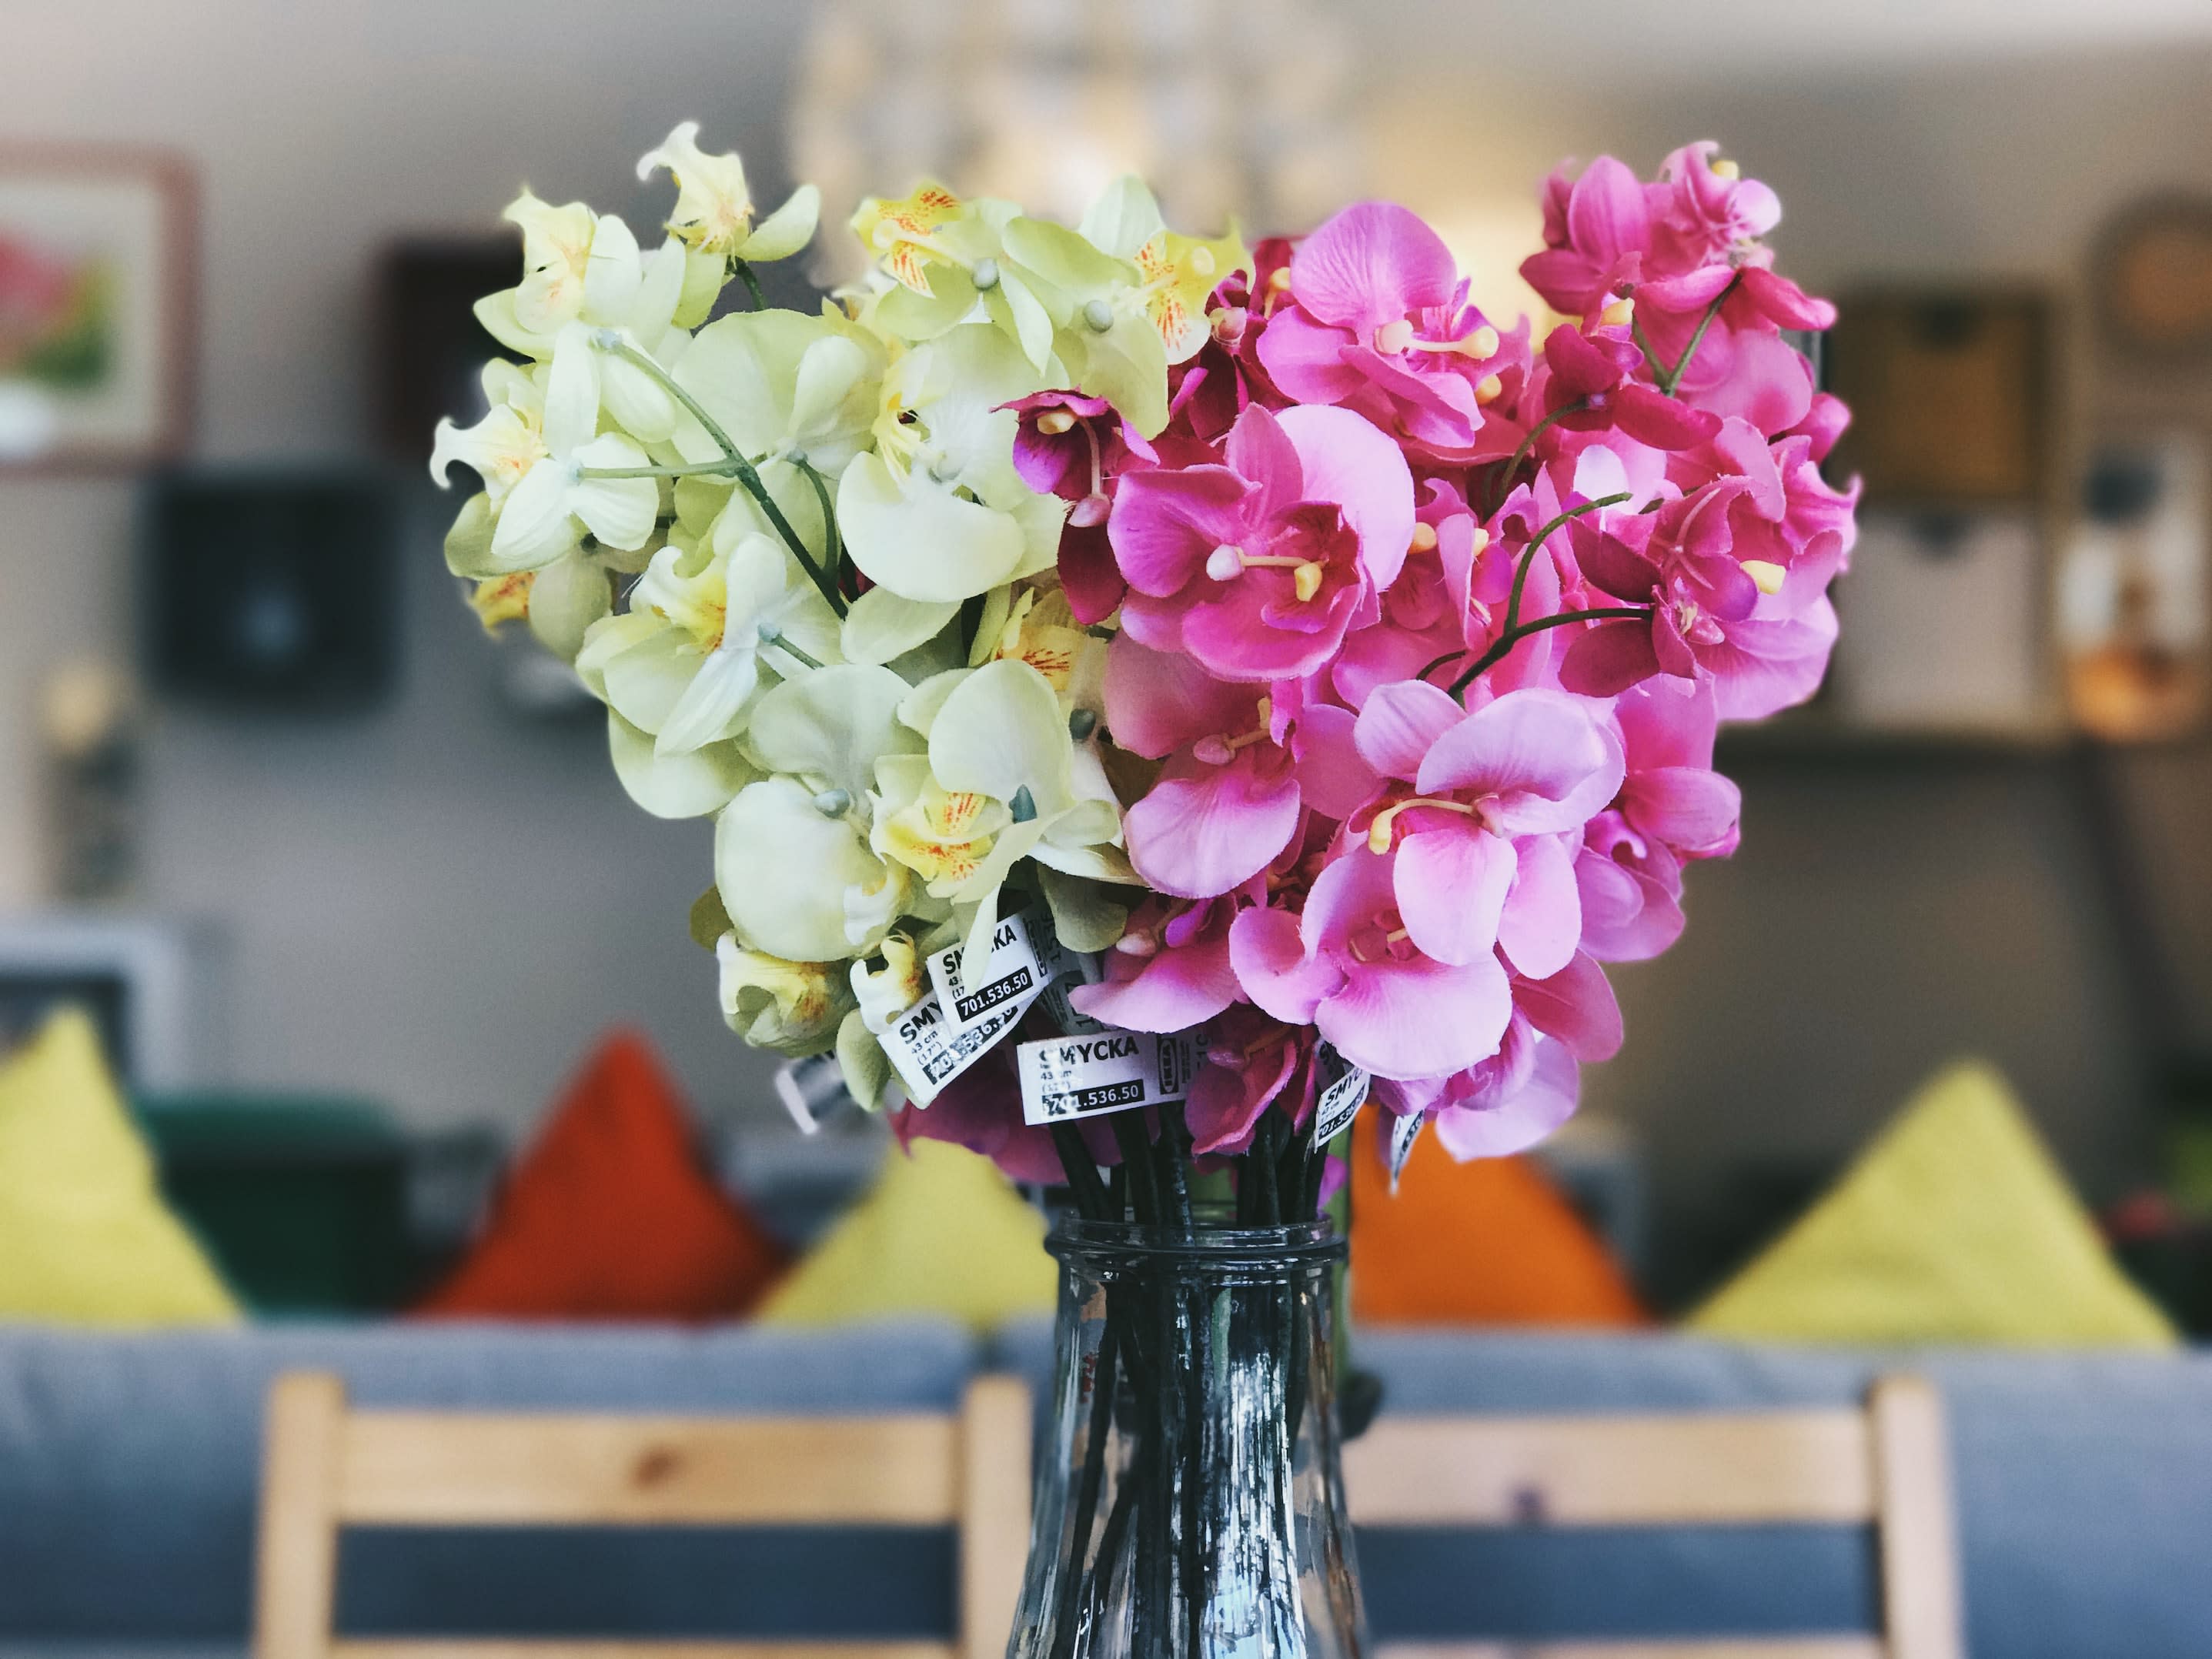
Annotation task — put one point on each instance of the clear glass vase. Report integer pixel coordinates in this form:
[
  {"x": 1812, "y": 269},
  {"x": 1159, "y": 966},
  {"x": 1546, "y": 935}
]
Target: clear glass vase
[{"x": 1189, "y": 1502}]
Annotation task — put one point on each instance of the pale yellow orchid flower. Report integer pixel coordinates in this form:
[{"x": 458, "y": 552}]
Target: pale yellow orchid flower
[
  {"x": 713, "y": 211},
  {"x": 793, "y": 1007},
  {"x": 907, "y": 236}
]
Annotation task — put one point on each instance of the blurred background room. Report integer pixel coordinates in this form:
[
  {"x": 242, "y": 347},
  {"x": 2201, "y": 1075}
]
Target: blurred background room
[
  {"x": 310, "y": 840},
  {"x": 366, "y": 930}
]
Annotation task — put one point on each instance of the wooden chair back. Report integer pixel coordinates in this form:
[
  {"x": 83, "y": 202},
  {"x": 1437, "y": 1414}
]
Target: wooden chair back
[
  {"x": 327, "y": 1467},
  {"x": 1886, "y": 1466}
]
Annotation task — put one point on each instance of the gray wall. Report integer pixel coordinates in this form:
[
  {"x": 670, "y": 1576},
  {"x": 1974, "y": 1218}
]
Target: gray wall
[{"x": 440, "y": 903}]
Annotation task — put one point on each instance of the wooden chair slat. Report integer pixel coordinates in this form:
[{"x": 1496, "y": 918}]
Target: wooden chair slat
[
  {"x": 403, "y": 1468},
  {"x": 451, "y": 1650},
  {"x": 1796, "y": 1647},
  {"x": 326, "y": 1468},
  {"x": 1918, "y": 1543},
  {"x": 1612, "y": 1471}
]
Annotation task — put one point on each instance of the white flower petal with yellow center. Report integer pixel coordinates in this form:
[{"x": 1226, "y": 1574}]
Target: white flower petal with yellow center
[
  {"x": 1176, "y": 274},
  {"x": 556, "y": 249},
  {"x": 764, "y": 600},
  {"x": 792, "y": 877},
  {"x": 793, "y": 1007},
  {"x": 907, "y": 236},
  {"x": 713, "y": 211},
  {"x": 885, "y": 993},
  {"x": 686, "y": 785},
  {"x": 506, "y": 443},
  {"x": 943, "y": 836}
]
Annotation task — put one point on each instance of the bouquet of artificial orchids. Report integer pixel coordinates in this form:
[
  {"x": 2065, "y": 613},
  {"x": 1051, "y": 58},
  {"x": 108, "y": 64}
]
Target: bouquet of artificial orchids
[{"x": 1154, "y": 694}]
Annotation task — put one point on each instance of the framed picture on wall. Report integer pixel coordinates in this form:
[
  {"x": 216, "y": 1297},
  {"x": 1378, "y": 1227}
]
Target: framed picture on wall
[{"x": 97, "y": 264}]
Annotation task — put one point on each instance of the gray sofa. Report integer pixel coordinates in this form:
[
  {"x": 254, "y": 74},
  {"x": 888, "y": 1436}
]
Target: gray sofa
[{"x": 128, "y": 1466}]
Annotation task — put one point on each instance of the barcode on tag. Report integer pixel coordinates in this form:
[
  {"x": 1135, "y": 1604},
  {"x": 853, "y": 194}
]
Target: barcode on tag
[
  {"x": 930, "y": 1051},
  {"x": 1343, "y": 1092},
  {"x": 1025, "y": 956},
  {"x": 1107, "y": 1070},
  {"x": 1403, "y": 1134}
]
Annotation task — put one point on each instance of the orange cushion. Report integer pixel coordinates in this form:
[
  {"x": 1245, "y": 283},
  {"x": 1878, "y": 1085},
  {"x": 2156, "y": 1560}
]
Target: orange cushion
[
  {"x": 608, "y": 1215},
  {"x": 1490, "y": 1243}
]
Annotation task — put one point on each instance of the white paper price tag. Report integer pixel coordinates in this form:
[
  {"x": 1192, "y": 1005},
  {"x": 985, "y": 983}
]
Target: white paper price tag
[
  {"x": 1343, "y": 1092},
  {"x": 1403, "y": 1134},
  {"x": 1025, "y": 955},
  {"x": 930, "y": 1051},
  {"x": 1088, "y": 1075}
]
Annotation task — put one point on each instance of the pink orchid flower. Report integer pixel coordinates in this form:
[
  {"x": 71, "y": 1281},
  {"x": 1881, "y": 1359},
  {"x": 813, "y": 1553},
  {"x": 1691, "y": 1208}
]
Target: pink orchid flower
[
  {"x": 1707, "y": 215},
  {"x": 1239, "y": 771},
  {"x": 1250, "y": 1057},
  {"x": 1379, "y": 321},
  {"x": 1485, "y": 841},
  {"x": 1597, "y": 230},
  {"x": 1592, "y": 384},
  {"x": 1255, "y": 566},
  {"x": 1703, "y": 620},
  {"x": 1510, "y": 1102},
  {"x": 1428, "y": 611},
  {"x": 1074, "y": 447},
  {"x": 1170, "y": 969},
  {"x": 1347, "y": 966}
]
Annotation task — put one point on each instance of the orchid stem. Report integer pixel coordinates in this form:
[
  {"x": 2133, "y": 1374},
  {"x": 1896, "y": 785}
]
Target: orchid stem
[
  {"x": 1505, "y": 642},
  {"x": 743, "y": 469},
  {"x": 745, "y": 273},
  {"x": 1505, "y": 478},
  {"x": 835, "y": 554},
  {"x": 790, "y": 650},
  {"x": 694, "y": 469},
  {"x": 1673, "y": 377}
]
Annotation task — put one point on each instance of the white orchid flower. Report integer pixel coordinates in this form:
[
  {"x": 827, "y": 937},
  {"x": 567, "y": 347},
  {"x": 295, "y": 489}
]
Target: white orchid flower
[
  {"x": 936, "y": 512},
  {"x": 783, "y": 387},
  {"x": 798, "y": 879},
  {"x": 685, "y": 662},
  {"x": 579, "y": 268},
  {"x": 793, "y": 1007},
  {"x": 829, "y": 727},
  {"x": 1004, "y": 781},
  {"x": 543, "y": 502},
  {"x": 1176, "y": 274},
  {"x": 714, "y": 217}
]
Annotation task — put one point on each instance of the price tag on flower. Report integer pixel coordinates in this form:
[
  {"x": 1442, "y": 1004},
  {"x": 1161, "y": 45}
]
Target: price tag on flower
[
  {"x": 1403, "y": 1134},
  {"x": 1343, "y": 1092},
  {"x": 1108, "y": 1070},
  {"x": 1025, "y": 956},
  {"x": 929, "y": 1051}
]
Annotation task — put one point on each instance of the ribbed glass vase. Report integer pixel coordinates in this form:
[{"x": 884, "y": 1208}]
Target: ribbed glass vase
[{"x": 1190, "y": 1504}]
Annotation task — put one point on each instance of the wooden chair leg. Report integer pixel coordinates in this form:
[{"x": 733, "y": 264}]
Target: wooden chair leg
[
  {"x": 994, "y": 1512},
  {"x": 296, "y": 1555},
  {"x": 1918, "y": 1536}
]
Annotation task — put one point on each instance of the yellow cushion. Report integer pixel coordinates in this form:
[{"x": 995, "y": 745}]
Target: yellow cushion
[
  {"x": 941, "y": 1232},
  {"x": 85, "y": 1237},
  {"x": 1955, "y": 1225}
]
